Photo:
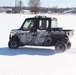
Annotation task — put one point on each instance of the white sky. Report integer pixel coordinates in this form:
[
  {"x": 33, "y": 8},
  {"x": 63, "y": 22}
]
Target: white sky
[{"x": 44, "y": 3}]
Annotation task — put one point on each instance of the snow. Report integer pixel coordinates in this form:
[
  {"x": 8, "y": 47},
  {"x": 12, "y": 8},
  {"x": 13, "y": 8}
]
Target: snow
[{"x": 35, "y": 60}]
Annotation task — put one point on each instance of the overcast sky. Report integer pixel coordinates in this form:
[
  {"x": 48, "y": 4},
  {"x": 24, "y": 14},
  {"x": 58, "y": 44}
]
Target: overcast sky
[{"x": 44, "y": 3}]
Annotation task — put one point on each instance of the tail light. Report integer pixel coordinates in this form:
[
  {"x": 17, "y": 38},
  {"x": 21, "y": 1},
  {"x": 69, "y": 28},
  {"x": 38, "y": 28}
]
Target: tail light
[{"x": 70, "y": 33}]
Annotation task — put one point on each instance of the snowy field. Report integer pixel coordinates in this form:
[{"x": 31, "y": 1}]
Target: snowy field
[{"x": 35, "y": 60}]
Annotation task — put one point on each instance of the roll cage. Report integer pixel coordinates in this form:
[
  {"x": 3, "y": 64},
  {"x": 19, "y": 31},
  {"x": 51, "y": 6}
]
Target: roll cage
[{"x": 41, "y": 23}]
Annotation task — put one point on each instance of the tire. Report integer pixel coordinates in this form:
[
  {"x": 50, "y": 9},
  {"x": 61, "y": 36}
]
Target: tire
[
  {"x": 13, "y": 44},
  {"x": 48, "y": 41},
  {"x": 60, "y": 46},
  {"x": 69, "y": 45}
]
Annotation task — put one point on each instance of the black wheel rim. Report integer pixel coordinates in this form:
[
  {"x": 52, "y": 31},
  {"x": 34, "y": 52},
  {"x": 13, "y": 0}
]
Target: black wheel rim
[
  {"x": 60, "y": 47},
  {"x": 13, "y": 44}
]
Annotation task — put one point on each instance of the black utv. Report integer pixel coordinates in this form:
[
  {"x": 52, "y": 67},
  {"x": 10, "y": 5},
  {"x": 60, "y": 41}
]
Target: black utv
[{"x": 40, "y": 31}]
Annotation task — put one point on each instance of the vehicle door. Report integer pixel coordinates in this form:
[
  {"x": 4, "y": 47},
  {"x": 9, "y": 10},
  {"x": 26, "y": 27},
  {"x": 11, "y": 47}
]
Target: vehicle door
[
  {"x": 42, "y": 32},
  {"x": 26, "y": 35}
]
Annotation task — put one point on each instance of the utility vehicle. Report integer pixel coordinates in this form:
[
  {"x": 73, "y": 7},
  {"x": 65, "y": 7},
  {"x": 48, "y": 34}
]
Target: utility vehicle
[{"x": 40, "y": 31}]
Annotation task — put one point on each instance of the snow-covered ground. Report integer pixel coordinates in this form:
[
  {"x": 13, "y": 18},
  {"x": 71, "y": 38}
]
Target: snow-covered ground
[{"x": 35, "y": 60}]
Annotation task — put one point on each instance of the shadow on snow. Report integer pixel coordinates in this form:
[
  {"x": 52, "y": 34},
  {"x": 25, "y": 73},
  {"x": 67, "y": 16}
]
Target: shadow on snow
[{"x": 27, "y": 51}]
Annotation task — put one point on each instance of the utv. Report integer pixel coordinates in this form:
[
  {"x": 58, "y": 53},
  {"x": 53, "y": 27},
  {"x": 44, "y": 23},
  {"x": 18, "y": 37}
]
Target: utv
[{"x": 40, "y": 31}]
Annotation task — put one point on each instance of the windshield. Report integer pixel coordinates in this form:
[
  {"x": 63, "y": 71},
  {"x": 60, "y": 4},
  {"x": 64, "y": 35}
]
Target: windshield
[
  {"x": 54, "y": 23},
  {"x": 28, "y": 25}
]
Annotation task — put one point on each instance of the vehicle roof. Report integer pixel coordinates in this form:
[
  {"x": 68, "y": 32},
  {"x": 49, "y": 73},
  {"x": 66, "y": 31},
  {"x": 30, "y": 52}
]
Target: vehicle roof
[
  {"x": 53, "y": 18},
  {"x": 42, "y": 17}
]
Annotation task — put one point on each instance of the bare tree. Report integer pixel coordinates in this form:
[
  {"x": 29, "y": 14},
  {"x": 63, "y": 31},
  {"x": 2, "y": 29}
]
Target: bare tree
[
  {"x": 34, "y": 5},
  {"x": 20, "y": 4}
]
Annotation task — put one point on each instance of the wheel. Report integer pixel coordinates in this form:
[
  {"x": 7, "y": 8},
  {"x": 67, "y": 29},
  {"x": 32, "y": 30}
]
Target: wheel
[
  {"x": 69, "y": 45},
  {"x": 13, "y": 44},
  {"x": 61, "y": 46}
]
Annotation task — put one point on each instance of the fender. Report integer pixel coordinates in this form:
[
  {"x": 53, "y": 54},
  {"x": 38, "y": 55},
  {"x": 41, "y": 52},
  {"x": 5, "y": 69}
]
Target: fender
[{"x": 14, "y": 38}]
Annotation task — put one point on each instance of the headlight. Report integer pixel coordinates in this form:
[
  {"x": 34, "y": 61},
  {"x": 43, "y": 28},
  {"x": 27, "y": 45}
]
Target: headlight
[{"x": 12, "y": 33}]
